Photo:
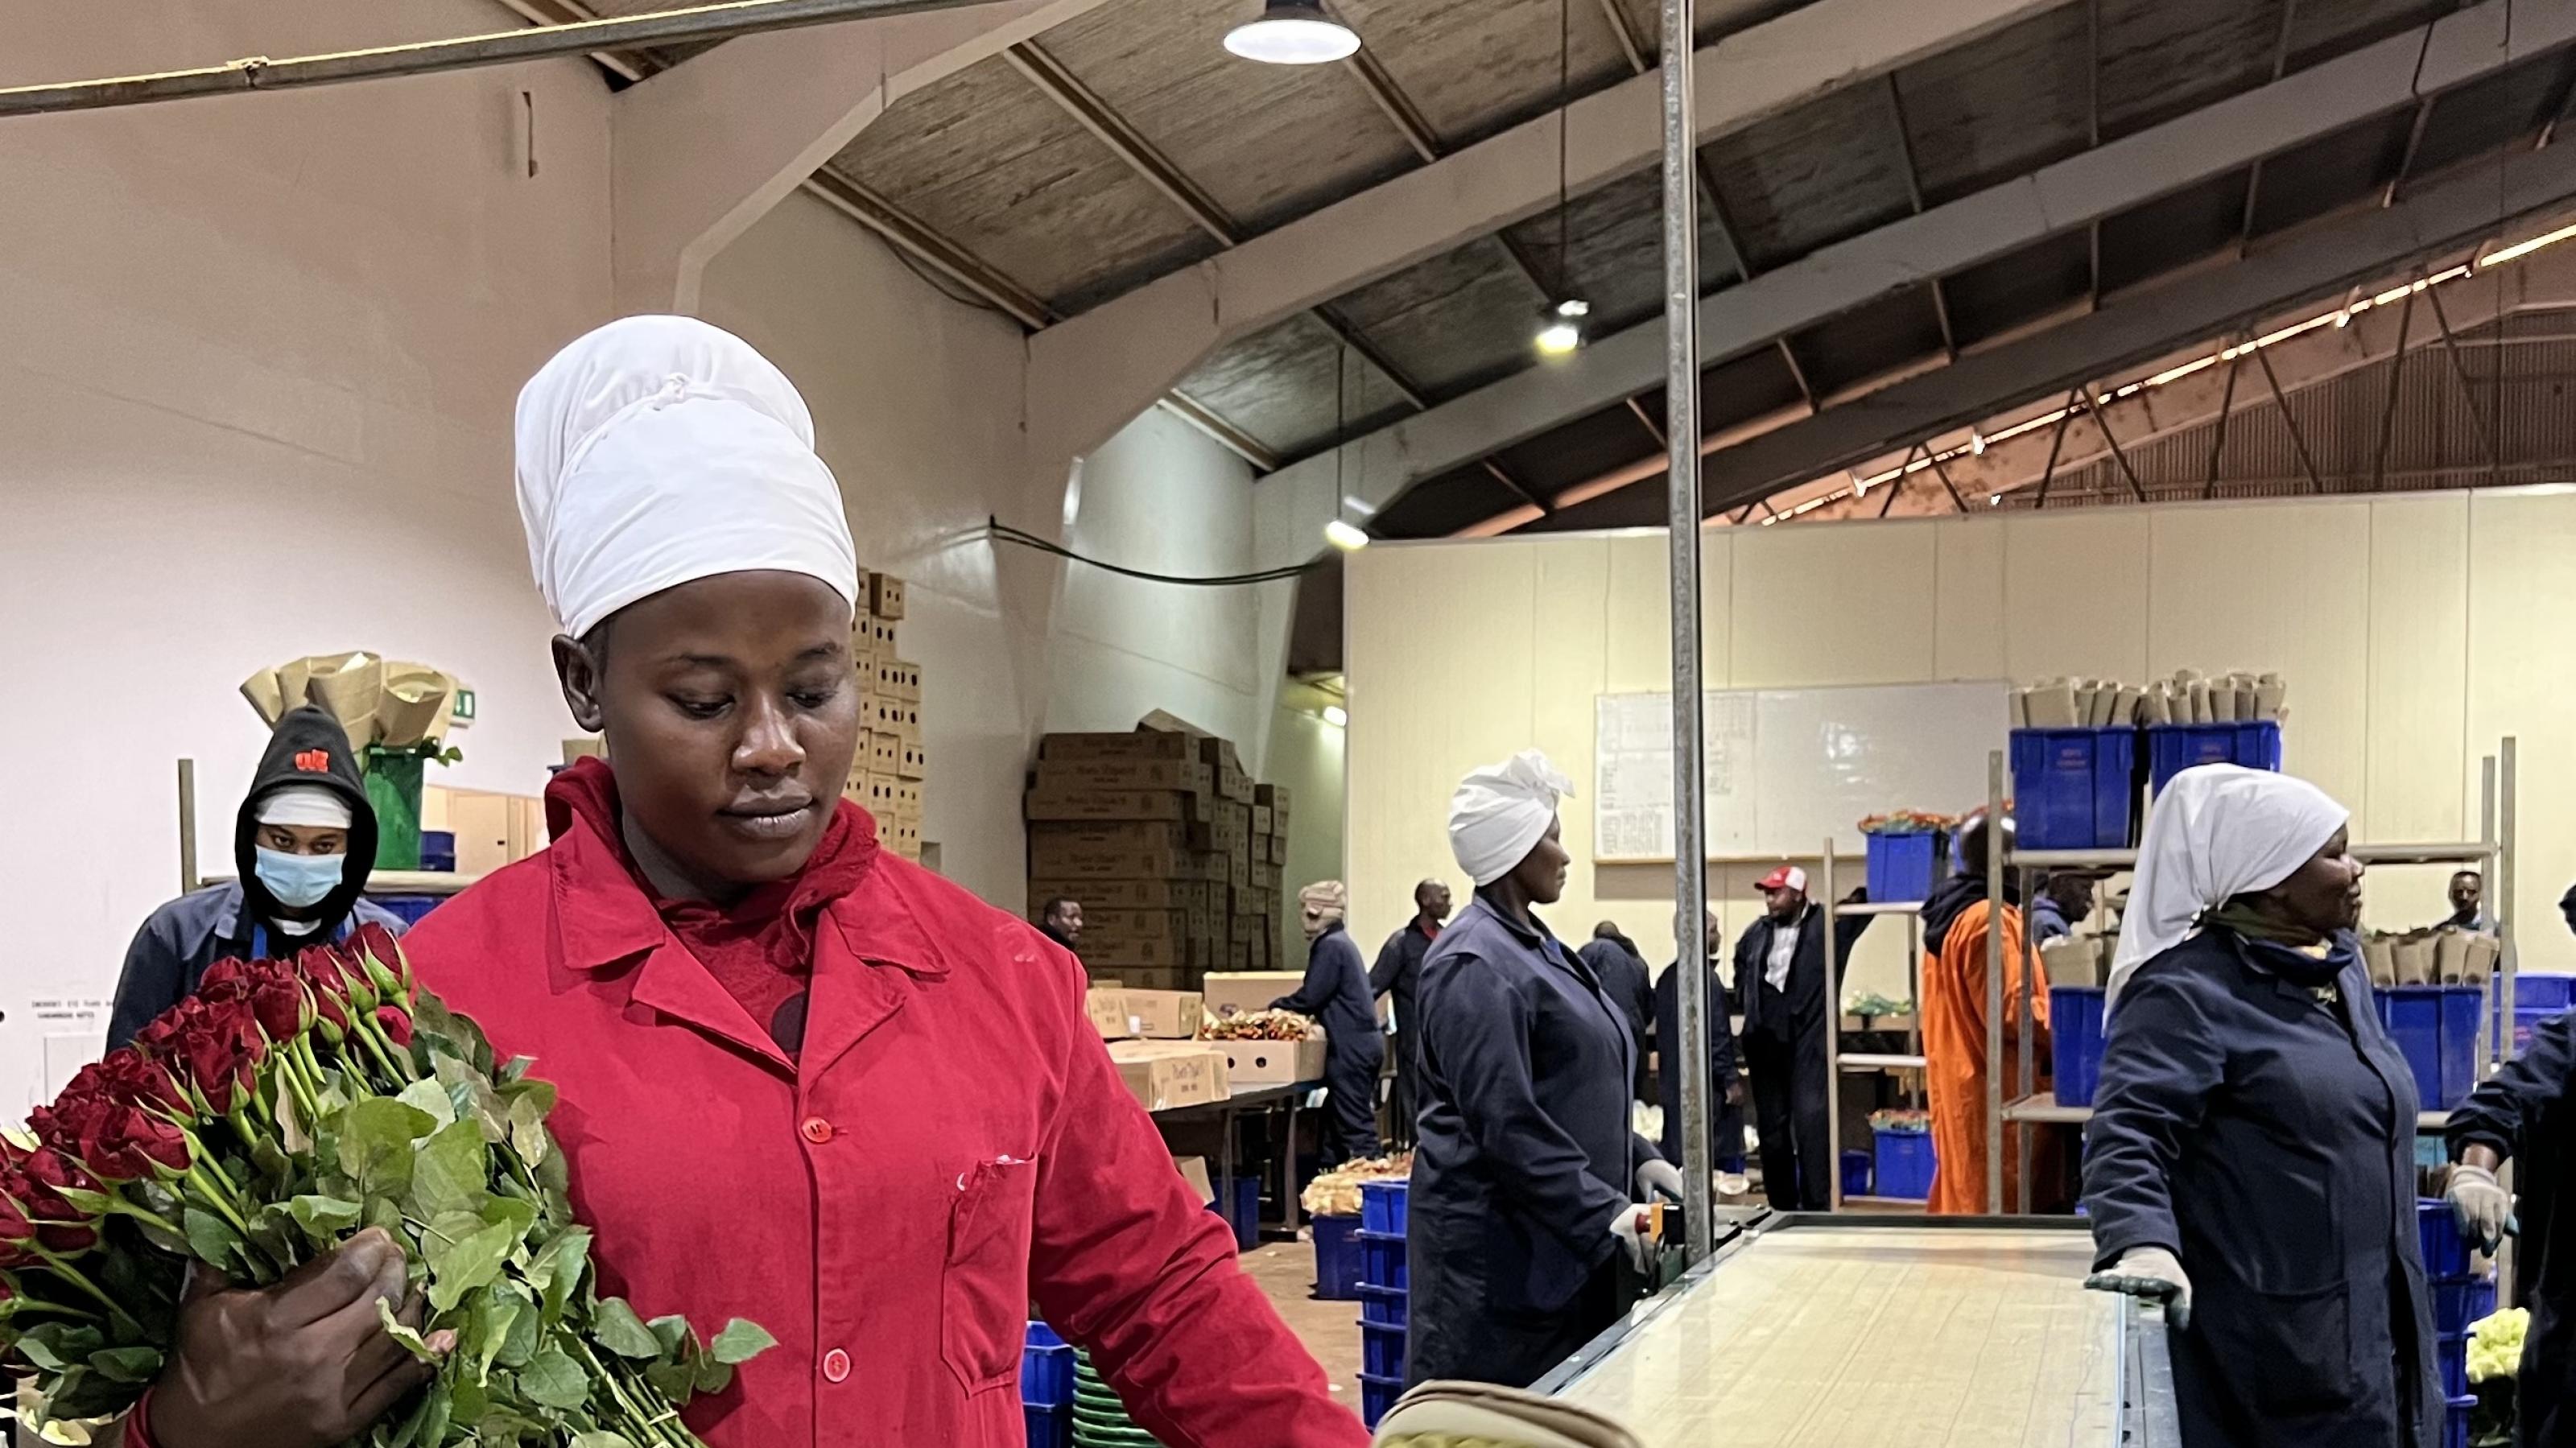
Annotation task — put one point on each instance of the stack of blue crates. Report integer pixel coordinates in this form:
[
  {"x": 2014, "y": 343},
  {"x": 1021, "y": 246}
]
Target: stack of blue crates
[
  {"x": 2173, "y": 748},
  {"x": 2535, "y": 999},
  {"x": 1046, "y": 1387},
  {"x": 2461, "y": 1296},
  {"x": 1385, "y": 1288},
  {"x": 2075, "y": 789},
  {"x": 2075, "y": 1037},
  {"x": 2436, "y": 1027},
  {"x": 1901, "y": 867}
]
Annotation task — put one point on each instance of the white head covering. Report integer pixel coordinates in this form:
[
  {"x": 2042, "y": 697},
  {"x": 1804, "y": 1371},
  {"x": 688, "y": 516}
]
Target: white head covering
[
  {"x": 1499, "y": 813},
  {"x": 2218, "y": 831},
  {"x": 1320, "y": 905},
  {"x": 658, "y": 450},
  {"x": 309, "y": 805}
]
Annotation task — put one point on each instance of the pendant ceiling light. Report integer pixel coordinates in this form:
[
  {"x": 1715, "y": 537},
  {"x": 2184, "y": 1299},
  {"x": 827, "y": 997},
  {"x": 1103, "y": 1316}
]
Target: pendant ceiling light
[
  {"x": 1293, "y": 32},
  {"x": 1560, "y": 322}
]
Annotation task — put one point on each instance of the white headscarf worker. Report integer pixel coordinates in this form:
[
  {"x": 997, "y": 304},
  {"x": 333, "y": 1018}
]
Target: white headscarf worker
[
  {"x": 2217, "y": 831},
  {"x": 1500, "y": 811},
  {"x": 655, "y": 451},
  {"x": 1321, "y": 906}
]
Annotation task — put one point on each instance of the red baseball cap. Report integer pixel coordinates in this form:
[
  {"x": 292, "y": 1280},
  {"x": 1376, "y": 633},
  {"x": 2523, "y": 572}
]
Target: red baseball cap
[{"x": 1787, "y": 877}]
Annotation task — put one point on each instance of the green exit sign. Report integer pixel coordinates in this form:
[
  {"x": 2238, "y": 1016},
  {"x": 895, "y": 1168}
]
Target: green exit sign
[{"x": 462, "y": 711}]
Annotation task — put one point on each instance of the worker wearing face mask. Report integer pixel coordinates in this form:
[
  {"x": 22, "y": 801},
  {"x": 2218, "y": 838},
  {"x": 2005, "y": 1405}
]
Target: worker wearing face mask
[{"x": 304, "y": 843}]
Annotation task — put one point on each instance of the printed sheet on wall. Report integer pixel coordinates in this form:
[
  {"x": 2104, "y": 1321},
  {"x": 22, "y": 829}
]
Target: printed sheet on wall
[{"x": 1785, "y": 768}]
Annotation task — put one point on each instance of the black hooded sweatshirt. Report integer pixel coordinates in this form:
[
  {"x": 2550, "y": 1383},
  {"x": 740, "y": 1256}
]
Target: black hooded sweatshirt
[{"x": 171, "y": 952}]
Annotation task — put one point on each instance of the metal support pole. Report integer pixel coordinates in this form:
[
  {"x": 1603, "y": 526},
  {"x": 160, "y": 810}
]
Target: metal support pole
[
  {"x": 1994, "y": 866},
  {"x": 2028, "y": 986},
  {"x": 1833, "y": 1035},
  {"x": 1682, "y": 499},
  {"x": 2499, "y": 1005},
  {"x": 2508, "y": 868},
  {"x": 508, "y": 47},
  {"x": 188, "y": 881}
]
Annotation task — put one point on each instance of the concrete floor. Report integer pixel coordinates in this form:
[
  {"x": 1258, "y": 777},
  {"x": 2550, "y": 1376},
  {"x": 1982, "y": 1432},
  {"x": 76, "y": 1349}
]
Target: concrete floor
[{"x": 1330, "y": 1330}]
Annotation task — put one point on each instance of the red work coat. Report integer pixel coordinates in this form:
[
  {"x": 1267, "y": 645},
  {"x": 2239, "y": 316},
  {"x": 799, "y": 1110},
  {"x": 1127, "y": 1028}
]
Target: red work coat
[{"x": 952, "y": 1144}]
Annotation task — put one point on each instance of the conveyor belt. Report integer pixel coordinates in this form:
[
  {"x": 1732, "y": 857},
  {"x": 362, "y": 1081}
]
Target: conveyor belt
[{"x": 1811, "y": 1332}]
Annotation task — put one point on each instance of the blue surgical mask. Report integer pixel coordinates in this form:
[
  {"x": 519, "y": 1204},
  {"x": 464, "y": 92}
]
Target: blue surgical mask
[{"x": 300, "y": 881}]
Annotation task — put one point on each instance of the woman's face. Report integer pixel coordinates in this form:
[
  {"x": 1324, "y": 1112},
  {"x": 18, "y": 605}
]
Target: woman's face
[
  {"x": 1541, "y": 875},
  {"x": 2323, "y": 895},
  {"x": 731, "y": 717}
]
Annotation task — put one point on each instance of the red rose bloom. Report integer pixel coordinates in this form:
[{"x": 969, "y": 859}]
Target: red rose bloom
[
  {"x": 277, "y": 1000},
  {"x": 396, "y": 1024},
  {"x": 60, "y": 1227}
]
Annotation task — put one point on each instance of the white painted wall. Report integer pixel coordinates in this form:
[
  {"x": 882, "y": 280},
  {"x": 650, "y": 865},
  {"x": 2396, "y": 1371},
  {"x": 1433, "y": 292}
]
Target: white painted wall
[
  {"x": 1306, "y": 755},
  {"x": 2415, "y": 631},
  {"x": 256, "y": 396}
]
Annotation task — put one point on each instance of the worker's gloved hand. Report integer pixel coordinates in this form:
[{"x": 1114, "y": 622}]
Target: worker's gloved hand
[
  {"x": 1659, "y": 1177},
  {"x": 2482, "y": 1205},
  {"x": 1629, "y": 1226},
  {"x": 2151, "y": 1273}
]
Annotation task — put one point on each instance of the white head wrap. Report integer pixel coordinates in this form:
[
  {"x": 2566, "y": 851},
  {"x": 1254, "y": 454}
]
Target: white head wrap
[
  {"x": 1320, "y": 905},
  {"x": 1500, "y": 812},
  {"x": 309, "y": 805},
  {"x": 2218, "y": 831},
  {"x": 659, "y": 450}
]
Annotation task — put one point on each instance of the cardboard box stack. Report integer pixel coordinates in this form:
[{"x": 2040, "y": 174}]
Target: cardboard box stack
[
  {"x": 887, "y": 772},
  {"x": 1174, "y": 852}
]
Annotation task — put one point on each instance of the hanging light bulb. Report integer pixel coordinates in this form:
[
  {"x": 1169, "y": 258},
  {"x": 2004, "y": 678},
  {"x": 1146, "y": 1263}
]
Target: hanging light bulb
[
  {"x": 1344, "y": 536},
  {"x": 1293, "y": 32},
  {"x": 1560, "y": 327},
  {"x": 1337, "y": 716}
]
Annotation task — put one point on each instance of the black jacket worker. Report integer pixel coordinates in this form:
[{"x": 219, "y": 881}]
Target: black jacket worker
[
  {"x": 1789, "y": 1004},
  {"x": 1398, "y": 975},
  {"x": 1336, "y": 993}
]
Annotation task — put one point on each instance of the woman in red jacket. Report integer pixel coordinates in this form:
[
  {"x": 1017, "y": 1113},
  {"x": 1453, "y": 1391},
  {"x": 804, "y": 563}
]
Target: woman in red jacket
[{"x": 803, "y": 1081}]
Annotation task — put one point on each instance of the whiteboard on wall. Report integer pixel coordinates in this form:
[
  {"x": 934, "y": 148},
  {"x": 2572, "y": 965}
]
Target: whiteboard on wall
[{"x": 1787, "y": 767}]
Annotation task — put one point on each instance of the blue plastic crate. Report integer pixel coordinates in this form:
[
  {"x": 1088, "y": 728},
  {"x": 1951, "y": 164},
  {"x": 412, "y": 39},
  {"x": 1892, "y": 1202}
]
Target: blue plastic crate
[
  {"x": 2075, "y": 1037},
  {"x": 2074, "y": 789},
  {"x": 2436, "y": 1028},
  {"x": 1337, "y": 1258},
  {"x": 2447, "y": 1254},
  {"x": 1905, "y": 1163},
  {"x": 438, "y": 850},
  {"x": 2543, "y": 992},
  {"x": 1858, "y": 1172},
  {"x": 1382, "y": 1261},
  {"x": 1245, "y": 1219},
  {"x": 1046, "y": 1368},
  {"x": 2526, "y": 1019},
  {"x": 2173, "y": 748},
  {"x": 2460, "y": 1301},
  {"x": 1048, "y": 1427},
  {"x": 2455, "y": 1420},
  {"x": 2451, "y": 1361},
  {"x": 1381, "y": 1350},
  {"x": 1384, "y": 1306},
  {"x": 1382, "y": 1206},
  {"x": 1900, "y": 866},
  {"x": 409, "y": 908},
  {"x": 1377, "y": 1395}
]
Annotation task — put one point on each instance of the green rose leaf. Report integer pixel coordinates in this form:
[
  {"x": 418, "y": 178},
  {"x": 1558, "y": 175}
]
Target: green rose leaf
[
  {"x": 430, "y": 1098},
  {"x": 511, "y": 1212},
  {"x": 409, "y": 1337},
  {"x": 520, "y": 1343},
  {"x": 324, "y": 1217},
  {"x": 740, "y": 1342},
  {"x": 127, "y": 1364},
  {"x": 713, "y": 1376},
  {"x": 555, "y": 1380},
  {"x": 601, "y": 1440},
  {"x": 468, "y": 1400},
  {"x": 211, "y": 1239},
  {"x": 471, "y": 1263},
  {"x": 528, "y": 1130},
  {"x": 447, "y": 1175},
  {"x": 561, "y": 1266},
  {"x": 617, "y": 1328},
  {"x": 375, "y": 1137},
  {"x": 678, "y": 1343}
]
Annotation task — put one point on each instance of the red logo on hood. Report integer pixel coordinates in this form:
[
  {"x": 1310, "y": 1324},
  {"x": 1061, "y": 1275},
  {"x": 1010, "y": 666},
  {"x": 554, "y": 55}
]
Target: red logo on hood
[{"x": 314, "y": 761}]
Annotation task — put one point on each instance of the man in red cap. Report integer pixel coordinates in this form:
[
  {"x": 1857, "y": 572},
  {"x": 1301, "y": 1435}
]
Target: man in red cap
[{"x": 1789, "y": 1004}]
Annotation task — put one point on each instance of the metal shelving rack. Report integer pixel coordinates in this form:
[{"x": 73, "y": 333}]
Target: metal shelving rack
[
  {"x": 1838, "y": 1065},
  {"x": 2492, "y": 853}
]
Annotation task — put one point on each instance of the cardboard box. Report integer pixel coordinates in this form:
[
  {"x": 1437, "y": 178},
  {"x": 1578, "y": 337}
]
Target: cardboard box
[
  {"x": 1099, "y": 953},
  {"x": 1272, "y": 1063},
  {"x": 912, "y": 760},
  {"x": 885, "y": 596},
  {"x": 1278, "y": 854},
  {"x": 1138, "y": 894},
  {"x": 1123, "y": 774},
  {"x": 1056, "y": 802},
  {"x": 881, "y": 631},
  {"x": 1236, "y": 993},
  {"x": 880, "y": 799},
  {"x": 1277, "y": 797},
  {"x": 1139, "y": 744},
  {"x": 1163, "y": 1075},
  {"x": 1194, "y": 1175},
  {"x": 1261, "y": 820},
  {"x": 899, "y": 680},
  {"x": 1162, "y": 1015},
  {"x": 1101, "y": 925},
  {"x": 1107, "y": 1007},
  {"x": 884, "y": 754},
  {"x": 907, "y": 799},
  {"x": 1139, "y": 977},
  {"x": 895, "y": 716}
]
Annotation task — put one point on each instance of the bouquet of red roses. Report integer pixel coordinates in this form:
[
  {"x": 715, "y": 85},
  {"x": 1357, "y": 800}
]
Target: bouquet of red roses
[{"x": 283, "y": 1108}]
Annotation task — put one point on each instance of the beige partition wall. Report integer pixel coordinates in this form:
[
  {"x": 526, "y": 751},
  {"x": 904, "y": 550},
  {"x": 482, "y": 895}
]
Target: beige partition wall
[{"x": 2414, "y": 632}]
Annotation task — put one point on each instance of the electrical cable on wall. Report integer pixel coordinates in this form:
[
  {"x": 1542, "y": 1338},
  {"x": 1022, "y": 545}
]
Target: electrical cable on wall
[{"x": 1002, "y": 532}]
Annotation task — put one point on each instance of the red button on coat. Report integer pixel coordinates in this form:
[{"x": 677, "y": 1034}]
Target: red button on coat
[
  {"x": 836, "y": 1365},
  {"x": 816, "y": 1130}
]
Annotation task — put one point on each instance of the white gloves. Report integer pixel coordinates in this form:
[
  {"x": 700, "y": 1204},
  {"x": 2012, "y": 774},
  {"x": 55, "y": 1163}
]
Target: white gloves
[
  {"x": 1629, "y": 1226},
  {"x": 2151, "y": 1273},
  {"x": 2484, "y": 1208},
  {"x": 1659, "y": 1177}
]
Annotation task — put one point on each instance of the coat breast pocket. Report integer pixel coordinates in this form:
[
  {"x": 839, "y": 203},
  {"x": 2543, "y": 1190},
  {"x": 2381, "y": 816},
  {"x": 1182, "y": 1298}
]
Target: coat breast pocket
[{"x": 984, "y": 1288}]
